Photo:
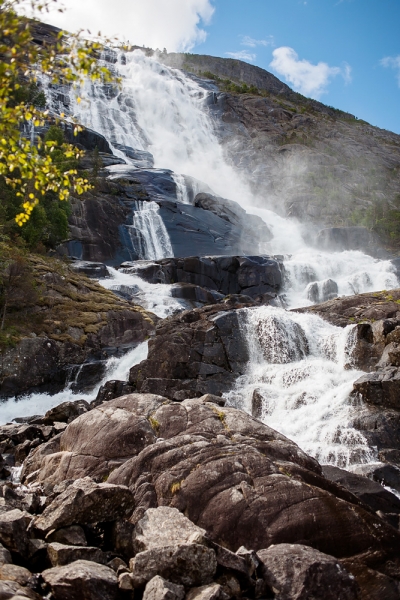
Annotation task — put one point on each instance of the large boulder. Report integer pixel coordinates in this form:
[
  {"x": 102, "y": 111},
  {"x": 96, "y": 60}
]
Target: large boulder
[
  {"x": 380, "y": 388},
  {"x": 234, "y": 477},
  {"x": 13, "y": 531},
  {"x": 295, "y": 572},
  {"x": 183, "y": 564},
  {"x": 194, "y": 353},
  {"x": 253, "y": 276},
  {"x": 165, "y": 526},
  {"x": 86, "y": 502},
  {"x": 82, "y": 579},
  {"x": 98, "y": 441}
]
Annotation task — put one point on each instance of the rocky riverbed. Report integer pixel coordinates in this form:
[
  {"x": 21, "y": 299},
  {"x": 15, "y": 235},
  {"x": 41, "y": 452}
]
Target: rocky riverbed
[{"x": 170, "y": 492}]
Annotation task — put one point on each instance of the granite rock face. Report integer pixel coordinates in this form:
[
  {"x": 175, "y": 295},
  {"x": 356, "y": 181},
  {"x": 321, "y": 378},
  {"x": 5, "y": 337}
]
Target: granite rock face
[
  {"x": 252, "y": 276},
  {"x": 194, "y": 353}
]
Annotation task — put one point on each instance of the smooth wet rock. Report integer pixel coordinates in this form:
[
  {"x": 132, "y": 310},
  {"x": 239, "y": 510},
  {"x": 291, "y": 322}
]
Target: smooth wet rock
[
  {"x": 380, "y": 388},
  {"x": 244, "y": 484},
  {"x": 61, "y": 554},
  {"x": 159, "y": 588},
  {"x": 82, "y": 579},
  {"x": 184, "y": 564},
  {"x": 165, "y": 526},
  {"x": 370, "y": 492},
  {"x": 72, "y": 536},
  {"x": 86, "y": 502},
  {"x": 294, "y": 572}
]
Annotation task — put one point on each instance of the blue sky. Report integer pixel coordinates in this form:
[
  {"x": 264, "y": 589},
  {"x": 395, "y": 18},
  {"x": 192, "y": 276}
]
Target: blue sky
[
  {"x": 345, "y": 53},
  {"x": 352, "y": 35}
]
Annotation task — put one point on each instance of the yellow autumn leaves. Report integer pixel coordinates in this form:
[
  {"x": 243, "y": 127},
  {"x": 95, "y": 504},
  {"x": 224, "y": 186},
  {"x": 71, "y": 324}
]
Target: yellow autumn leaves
[{"x": 26, "y": 162}]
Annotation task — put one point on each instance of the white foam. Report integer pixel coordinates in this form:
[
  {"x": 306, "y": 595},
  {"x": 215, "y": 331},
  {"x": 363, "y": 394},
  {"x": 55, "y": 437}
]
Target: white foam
[
  {"x": 300, "y": 373},
  {"x": 39, "y": 404}
]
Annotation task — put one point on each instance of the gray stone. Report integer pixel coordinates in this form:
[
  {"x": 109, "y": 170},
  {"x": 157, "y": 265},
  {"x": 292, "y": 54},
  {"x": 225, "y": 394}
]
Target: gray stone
[
  {"x": 73, "y": 536},
  {"x": 60, "y": 554},
  {"x": 86, "y": 502},
  {"x": 214, "y": 591},
  {"x": 126, "y": 582},
  {"x": 5, "y": 556},
  {"x": 13, "y": 531},
  {"x": 11, "y": 590},
  {"x": 185, "y": 564},
  {"x": 82, "y": 579},
  {"x": 160, "y": 589},
  {"x": 165, "y": 526},
  {"x": 294, "y": 572}
]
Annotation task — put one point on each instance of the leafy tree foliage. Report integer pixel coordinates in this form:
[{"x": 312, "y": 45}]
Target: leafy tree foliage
[{"x": 37, "y": 170}]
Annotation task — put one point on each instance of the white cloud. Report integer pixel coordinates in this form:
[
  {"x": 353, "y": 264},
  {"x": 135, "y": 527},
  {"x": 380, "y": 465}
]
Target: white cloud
[
  {"x": 392, "y": 62},
  {"x": 173, "y": 24},
  {"x": 242, "y": 55},
  {"x": 306, "y": 78},
  {"x": 252, "y": 43}
]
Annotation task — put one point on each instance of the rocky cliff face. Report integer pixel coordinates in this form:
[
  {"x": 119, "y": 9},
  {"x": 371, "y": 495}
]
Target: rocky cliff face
[
  {"x": 75, "y": 321},
  {"x": 306, "y": 159}
]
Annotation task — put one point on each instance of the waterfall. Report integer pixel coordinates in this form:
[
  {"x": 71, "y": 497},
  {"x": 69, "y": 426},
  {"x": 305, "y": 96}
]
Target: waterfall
[
  {"x": 182, "y": 193},
  {"x": 39, "y": 403},
  {"x": 298, "y": 381},
  {"x": 299, "y": 375},
  {"x": 155, "y": 297},
  {"x": 148, "y": 233}
]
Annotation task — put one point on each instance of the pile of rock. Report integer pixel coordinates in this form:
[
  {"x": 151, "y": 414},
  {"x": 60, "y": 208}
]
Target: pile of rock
[{"x": 149, "y": 497}]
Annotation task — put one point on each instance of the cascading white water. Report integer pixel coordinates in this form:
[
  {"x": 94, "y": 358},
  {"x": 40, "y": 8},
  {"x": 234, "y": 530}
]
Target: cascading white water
[
  {"x": 39, "y": 403},
  {"x": 352, "y": 271},
  {"x": 148, "y": 233},
  {"x": 298, "y": 382},
  {"x": 155, "y": 297},
  {"x": 181, "y": 189},
  {"x": 162, "y": 111}
]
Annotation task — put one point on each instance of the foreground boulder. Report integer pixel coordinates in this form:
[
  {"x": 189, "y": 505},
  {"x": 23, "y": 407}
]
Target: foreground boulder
[
  {"x": 13, "y": 531},
  {"x": 82, "y": 579},
  {"x": 86, "y": 502},
  {"x": 161, "y": 589},
  {"x": 295, "y": 572},
  {"x": 183, "y": 564},
  {"x": 97, "y": 442},
  {"x": 237, "y": 479},
  {"x": 165, "y": 526}
]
